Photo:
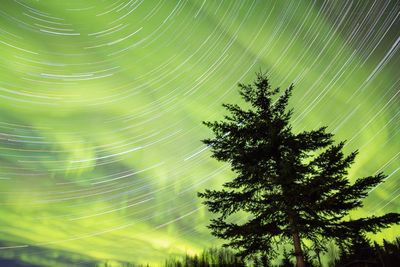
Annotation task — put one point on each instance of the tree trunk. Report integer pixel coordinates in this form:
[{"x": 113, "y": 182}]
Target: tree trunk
[
  {"x": 297, "y": 250},
  {"x": 297, "y": 244}
]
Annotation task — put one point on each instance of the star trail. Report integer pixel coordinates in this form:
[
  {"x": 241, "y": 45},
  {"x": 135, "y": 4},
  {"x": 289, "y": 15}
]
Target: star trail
[{"x": 101, "y": 104}]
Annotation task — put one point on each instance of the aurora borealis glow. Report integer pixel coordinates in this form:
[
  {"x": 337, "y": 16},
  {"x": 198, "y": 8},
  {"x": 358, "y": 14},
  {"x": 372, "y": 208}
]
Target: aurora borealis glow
[{"x": 101, "y": 104}]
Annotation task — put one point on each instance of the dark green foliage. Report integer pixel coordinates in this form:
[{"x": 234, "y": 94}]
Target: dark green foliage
[
  {"x": 259, "y": 261},
  {"x": 286, "y": 262},
  {"x": 360, "y": 252},
  {"x": 357, "y": 248},
  {"x": 389, "y": 254},
  {"x": 210, "y": 257},
  {"x": 309, "y": 260},
  {"x": 292, "y": 186},
  {"x": 113, "y": 263},
  {"x": 357, "y": 251}
]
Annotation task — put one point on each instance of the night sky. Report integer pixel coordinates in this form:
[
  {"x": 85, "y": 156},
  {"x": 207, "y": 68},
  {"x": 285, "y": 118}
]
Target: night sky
[{"x": 101, "y": 104}]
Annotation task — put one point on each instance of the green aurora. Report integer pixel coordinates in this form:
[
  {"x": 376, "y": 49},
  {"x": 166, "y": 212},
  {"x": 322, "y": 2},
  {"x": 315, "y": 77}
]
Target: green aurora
[{"x": 101, "y": 104}]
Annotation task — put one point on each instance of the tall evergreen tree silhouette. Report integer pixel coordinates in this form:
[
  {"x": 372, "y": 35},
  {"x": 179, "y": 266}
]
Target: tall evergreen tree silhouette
[{"x": 290, "y": 186}]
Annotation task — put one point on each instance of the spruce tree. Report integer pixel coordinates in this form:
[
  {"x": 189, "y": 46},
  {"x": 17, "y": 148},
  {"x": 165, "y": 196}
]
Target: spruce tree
[{"x": 290, "y": 186}]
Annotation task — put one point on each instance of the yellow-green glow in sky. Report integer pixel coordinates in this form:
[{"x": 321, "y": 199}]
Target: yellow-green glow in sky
[{"x": 101, "y": 104}]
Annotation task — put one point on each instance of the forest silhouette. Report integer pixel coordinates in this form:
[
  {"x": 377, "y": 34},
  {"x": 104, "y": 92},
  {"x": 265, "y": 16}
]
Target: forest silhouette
[{"x": 360, "y": 253}]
